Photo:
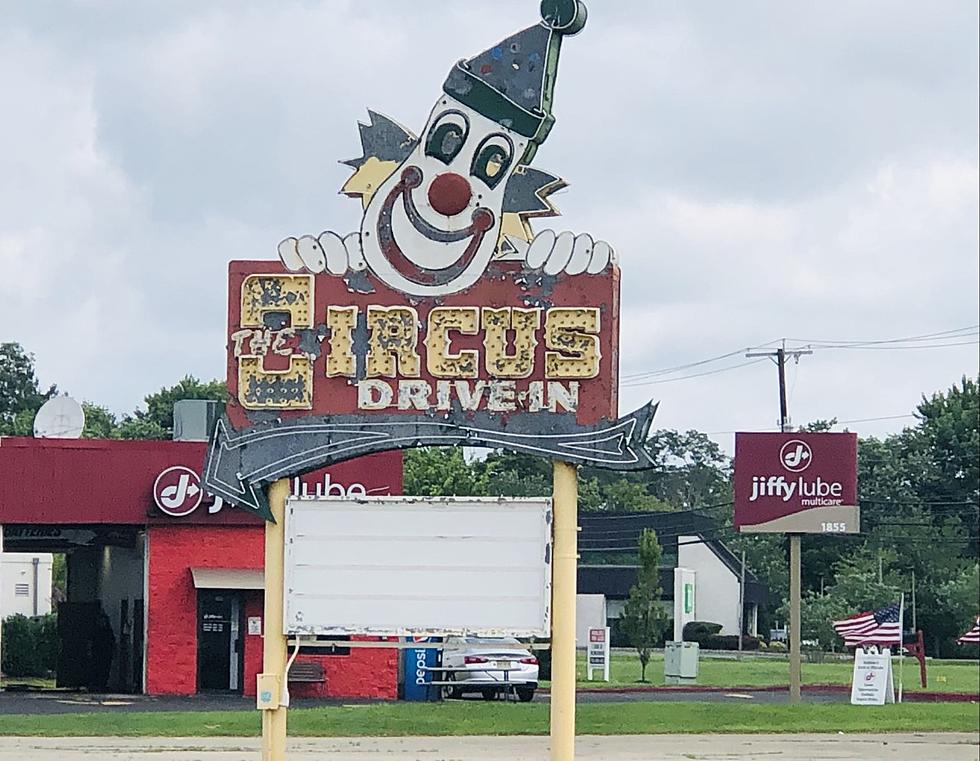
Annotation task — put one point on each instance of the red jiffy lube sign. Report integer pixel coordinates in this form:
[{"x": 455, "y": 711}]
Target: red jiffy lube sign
[{"x": 796, "y": 483}]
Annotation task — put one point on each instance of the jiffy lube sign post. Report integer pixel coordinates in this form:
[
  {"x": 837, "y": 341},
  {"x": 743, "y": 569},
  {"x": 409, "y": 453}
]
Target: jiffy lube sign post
[
  {"x": 444, "y": 313},
  {"x": 801, "y": 483}
]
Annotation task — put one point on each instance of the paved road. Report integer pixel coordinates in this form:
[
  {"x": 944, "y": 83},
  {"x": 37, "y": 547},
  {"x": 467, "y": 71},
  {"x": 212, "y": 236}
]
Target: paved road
[
  {"x": 51, "y": 702},
  {"x": 895, "y": 747}
]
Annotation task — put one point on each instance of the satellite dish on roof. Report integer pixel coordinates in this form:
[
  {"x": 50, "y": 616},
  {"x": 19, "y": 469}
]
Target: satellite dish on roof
[{"x": 61, "y": 417}]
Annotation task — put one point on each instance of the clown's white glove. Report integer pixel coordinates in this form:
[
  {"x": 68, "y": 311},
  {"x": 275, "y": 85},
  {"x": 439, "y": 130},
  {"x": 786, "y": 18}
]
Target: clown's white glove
[
  {"x": 564, "y": 252},
  {"x": 328, "y": 253}
]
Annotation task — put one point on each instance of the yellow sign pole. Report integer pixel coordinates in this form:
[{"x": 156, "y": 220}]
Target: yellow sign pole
[
  {"x": 563, "y": 588},
  {"x": 274, "y": 643}
]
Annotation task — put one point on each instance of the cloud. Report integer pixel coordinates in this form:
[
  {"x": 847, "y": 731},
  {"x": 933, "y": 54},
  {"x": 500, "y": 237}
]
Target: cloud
[
  {"x": 764, "y": 170},
  {"x": 883, "y": 258}
]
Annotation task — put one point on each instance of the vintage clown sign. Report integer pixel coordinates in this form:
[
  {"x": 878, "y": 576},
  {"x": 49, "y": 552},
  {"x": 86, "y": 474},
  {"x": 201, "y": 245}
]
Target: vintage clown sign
[{"x": 445, "y": 319}]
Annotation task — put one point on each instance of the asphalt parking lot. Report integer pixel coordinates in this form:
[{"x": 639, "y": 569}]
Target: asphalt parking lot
[{"x": 55, "y": 702}]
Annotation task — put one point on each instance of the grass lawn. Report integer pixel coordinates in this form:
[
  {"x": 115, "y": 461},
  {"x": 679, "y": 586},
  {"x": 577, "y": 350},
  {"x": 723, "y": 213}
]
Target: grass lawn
[
  {"x": 498, "y": 718},
  {"x": 943, "y": 676}
]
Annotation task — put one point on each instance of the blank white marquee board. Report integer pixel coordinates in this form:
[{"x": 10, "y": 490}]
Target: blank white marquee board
[{"x": 403, "y": 566}]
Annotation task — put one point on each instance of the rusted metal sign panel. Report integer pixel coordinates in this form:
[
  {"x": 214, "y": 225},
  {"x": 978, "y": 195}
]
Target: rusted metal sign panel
[
  {"x": 443, "y": 318},
  {"x": 515, "y": 342},
  {"x": 418, "y": 566}
]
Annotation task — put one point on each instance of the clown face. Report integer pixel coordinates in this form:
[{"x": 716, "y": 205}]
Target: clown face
[{"x": 432, "y": 227}]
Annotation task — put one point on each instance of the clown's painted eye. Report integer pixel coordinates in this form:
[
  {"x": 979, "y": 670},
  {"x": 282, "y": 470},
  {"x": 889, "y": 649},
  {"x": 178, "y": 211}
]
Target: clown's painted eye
[
  {"x": 446, "y": 137},
  {"x": 492, "y": 160}
]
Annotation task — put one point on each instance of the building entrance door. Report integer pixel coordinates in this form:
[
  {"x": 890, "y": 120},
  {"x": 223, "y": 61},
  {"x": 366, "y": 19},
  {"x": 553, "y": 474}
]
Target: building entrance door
[{"x": 219, "y": 641}]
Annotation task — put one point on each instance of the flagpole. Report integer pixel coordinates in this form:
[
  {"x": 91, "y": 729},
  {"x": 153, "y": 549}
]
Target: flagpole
[{"x": 901, "y": 642}]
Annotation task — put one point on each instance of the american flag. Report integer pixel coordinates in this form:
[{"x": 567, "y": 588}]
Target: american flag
[
  {"x": 972, "y": 637},
  {"x": 872, "y": 627}
]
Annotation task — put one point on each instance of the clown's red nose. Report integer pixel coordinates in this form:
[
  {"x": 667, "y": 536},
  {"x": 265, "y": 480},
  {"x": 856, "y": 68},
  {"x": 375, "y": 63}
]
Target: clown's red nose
[{"x": 449, "y": 194}]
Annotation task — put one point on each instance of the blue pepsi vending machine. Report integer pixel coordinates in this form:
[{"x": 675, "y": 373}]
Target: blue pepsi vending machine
[{"x": 416, "y": 661}]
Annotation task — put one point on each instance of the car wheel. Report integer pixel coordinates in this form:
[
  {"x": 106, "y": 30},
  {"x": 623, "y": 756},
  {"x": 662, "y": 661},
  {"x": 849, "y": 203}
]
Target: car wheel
[
  {"x": 489, "y": 693},
  {"x": 525, "y": 694},
  {"x": 451, "y": 692}
]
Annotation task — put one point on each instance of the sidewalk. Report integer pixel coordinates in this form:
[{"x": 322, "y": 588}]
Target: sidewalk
[{"x": 894, "y": 747}]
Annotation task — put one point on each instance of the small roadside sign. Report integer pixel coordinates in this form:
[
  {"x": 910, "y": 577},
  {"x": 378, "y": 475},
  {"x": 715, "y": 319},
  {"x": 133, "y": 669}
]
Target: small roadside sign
[
  {"x": 598, "y": 653},
  {"x": 872, "y": 684}
]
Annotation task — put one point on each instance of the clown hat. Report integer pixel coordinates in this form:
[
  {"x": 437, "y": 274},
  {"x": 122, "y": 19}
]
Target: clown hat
[{"x": 513, "y": 82}]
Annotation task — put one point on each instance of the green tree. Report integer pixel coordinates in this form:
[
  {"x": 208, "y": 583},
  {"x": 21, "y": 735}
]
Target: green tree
[
  {"x": 625, "y": 496},
  {"x": 644, "y": 618},
  {"x": 516, "y": 474},
  {"x": 20, "y": 393},
  {"x": 865, "y": 579},
  {"x": 767, "y": 557},
  {"x": 441, "y": 472},
  {"x": 100, "y": 423},
  {"x": 59, "y": 578},
  {"x": 157, "y": 420},
  {"x": 819, "y": 426},
  {"x": 134, "y": 427},
  {"x": 690, "y": 470},
  {"x": 817, "y": 615},
  {"x": 951, "y": 608},
  {"x": 948, "y": 439}
]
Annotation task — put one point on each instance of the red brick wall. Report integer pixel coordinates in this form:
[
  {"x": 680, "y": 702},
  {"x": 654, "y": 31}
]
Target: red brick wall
[{"x": 171, "y": 657}]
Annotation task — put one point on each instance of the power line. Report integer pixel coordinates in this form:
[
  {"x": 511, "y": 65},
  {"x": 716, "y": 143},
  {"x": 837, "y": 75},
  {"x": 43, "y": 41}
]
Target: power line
[
  {"x": 940, "y": 339},
  {"x": 903, "y": 348},
  {"x": 635, "y": 383},
  {"x": 837, "y": 423},
  {"x": 922, "y": 337},
  {"x": 678, "y": 368},
  {"x": 874, "y": 419}
]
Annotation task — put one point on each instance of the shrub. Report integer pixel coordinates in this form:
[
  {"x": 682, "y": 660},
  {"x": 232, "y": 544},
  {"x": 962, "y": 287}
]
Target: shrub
[
  {"x": 777, "y": 646},
  {"x": 728, "y": 642},
  {"x": 694, "y": 631},
  {"x": 707, "y": 635},
  {"x": 30, "y": 646}
]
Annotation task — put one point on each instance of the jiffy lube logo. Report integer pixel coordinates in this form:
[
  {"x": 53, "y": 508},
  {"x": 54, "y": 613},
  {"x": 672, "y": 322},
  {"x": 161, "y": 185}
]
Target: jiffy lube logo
[
  {"x": 177, "y": 491},
  {"x": 796, "y": 456}
]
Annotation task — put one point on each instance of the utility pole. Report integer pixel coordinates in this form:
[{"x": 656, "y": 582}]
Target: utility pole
[
  {"x": 795, "y": 570},
  {"x": 779, "y": 357}
]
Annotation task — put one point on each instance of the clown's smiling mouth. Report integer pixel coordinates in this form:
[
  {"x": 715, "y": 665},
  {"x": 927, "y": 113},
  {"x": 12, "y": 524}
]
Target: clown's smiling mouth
[{"x": 481, "y": 221}]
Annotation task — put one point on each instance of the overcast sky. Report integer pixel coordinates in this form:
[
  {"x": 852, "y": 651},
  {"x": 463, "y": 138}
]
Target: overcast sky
[{"x": 764, "y": 170}]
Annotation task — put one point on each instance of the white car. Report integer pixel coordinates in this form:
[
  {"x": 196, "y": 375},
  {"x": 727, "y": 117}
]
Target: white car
[{"x": 488, "y": 665}]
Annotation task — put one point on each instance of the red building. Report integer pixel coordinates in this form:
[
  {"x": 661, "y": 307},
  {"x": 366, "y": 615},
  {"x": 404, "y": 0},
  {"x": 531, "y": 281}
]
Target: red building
[{"x": 176, "y": 574}]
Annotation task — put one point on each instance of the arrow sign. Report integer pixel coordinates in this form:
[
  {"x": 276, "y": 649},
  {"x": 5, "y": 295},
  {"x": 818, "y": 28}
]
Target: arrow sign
[{"x": 241, "y": 462}]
